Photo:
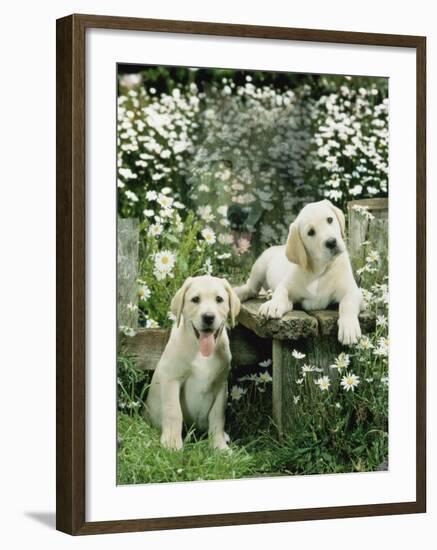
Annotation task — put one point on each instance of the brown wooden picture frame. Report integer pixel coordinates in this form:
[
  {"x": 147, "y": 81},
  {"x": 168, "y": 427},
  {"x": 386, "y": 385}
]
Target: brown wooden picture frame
[{"x": 71, "y": 283}]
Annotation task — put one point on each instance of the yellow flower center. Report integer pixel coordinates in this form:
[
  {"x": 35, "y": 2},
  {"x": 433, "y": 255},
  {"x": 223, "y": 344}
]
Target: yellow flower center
[{"x": 165, "y": 260}]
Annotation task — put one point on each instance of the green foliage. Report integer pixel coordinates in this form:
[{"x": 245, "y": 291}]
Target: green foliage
[{"x": 132, "y": 384}]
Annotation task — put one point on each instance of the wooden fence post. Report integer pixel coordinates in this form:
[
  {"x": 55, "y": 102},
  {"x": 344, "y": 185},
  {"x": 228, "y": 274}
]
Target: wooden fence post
[
  {"x": 372, "y": 228},
  {"x": 127, "y": 272}
]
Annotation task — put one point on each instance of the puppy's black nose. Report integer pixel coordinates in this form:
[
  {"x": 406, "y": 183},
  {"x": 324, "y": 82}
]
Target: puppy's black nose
[
  {"x": 208, "y": 319},
  {"x": 331, "y": 243}
]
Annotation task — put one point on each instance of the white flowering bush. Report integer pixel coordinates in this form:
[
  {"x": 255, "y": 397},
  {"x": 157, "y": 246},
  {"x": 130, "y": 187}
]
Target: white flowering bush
[
  {"x": 350, "y": 154},
  {"x": 154, "y": 136},
  {"x": 244, "y": 158}
]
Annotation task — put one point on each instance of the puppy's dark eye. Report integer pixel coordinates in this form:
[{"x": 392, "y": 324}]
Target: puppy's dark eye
[
  {"x": 329, "y": 220},
  {"x": 195, "y": 299},
  {"x": 219, "y": 299},
  {"x": 311, "y": 232}
]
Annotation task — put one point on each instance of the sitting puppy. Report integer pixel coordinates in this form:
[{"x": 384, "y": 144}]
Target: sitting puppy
[
  {"x": 190, "y": 381},
  {"x": 313, "y": 268}
]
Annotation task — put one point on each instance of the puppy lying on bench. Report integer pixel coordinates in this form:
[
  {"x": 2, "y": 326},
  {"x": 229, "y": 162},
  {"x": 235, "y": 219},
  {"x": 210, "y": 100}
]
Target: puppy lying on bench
[
  {"x": 190, "y": 382},
  {"x": 313, "y": 269}
]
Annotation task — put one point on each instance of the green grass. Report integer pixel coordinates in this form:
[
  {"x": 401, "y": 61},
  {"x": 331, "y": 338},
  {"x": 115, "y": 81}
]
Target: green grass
[
  {"x": 351, "y": 445},
  {"x": 142, "y": 459}
]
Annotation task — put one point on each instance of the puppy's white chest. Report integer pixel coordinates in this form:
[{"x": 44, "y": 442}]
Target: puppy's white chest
[
  {"x": 200, "y": 389},
  {"x": 316, "y": 295}
]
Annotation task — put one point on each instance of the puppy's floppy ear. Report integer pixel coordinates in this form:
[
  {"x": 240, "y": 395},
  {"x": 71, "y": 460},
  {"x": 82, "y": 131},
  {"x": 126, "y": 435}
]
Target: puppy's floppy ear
[
  {"x": 340, "y": 217},
  {"x": 177, "y": 304},
  {"x": 234, "y": 302},
  {"x": 295, "y": 249}
]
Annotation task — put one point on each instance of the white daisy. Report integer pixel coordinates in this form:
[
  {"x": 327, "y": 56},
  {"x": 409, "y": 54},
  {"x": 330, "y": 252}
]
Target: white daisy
[
  {"x": 381, "y": 321},
  {"x": 155, "y": 229},
  {"x": 148, "y": 213},
  {"x": 144, "y": 293},
  {"x": 164, "y": 262},
  {"x": 341, "y": 362},
  {"x": 223, "y": 210},
  {"x": 127, "y": 331},
  {"x": 350, "y": 381},
  {"x": 151, "y": 195},
  {"x": 205, "y": 212},
  {"x": 151, "y": 323},
  {"x": 164, "y": 201},
  {"x": 264, "y": 377},
  {"x": 225, "y": 238},
  {"x": 372, "y": 256},
  {"x": 265, "y": 363},
  {"x": 297, "y": 354},
  {"x": 296, "y": 399},
  {"x": 323, "y": 382},
  {"x": 365, "y": 343},
  {"x": 130, "y": 195},
  {"x": 209, "y": 235},
  {"x": 299, "y": 381},
  {"x": 237, "y": 393},
  {"x": 307, "y": 368},
  {"x": 382, "y": 349}
]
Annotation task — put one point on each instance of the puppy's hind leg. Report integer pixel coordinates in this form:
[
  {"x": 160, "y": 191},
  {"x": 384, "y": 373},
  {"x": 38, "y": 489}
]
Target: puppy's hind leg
[{"x": 254, "y": 283}]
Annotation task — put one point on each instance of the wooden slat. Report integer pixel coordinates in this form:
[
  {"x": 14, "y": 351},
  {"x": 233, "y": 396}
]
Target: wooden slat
[
  {"x": 328, "y": 321},
  {"x": 147, "y": 346},
  {"x": 292, "y": 326}
]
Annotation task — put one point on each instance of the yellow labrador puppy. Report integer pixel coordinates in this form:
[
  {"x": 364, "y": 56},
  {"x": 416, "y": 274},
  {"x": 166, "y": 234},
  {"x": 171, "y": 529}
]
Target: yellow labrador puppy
[
  {"x": 313, "y": 268},
  {"x": 190, "y": 381}
]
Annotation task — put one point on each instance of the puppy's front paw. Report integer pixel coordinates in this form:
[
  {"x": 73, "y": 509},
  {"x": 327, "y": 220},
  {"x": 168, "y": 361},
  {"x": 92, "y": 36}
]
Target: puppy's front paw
[
  {"x": 349, "y": 330},
  {"x": 272, "y": 309},
  {"x": 171, "y": 440},
  {"x": 219, "y": 444}
]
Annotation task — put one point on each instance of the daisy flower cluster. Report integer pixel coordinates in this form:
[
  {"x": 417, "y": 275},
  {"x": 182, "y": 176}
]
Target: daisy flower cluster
[
  {"x": 154, "y": 134},
  {"x": 351, "y": 138}
]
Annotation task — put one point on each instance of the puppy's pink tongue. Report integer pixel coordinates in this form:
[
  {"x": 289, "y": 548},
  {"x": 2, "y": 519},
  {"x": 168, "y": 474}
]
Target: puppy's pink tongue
[{"x": 206, "y": 343}]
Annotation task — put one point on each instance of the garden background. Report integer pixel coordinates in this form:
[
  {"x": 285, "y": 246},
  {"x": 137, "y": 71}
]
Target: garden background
[{"x": 215, "y": 164}]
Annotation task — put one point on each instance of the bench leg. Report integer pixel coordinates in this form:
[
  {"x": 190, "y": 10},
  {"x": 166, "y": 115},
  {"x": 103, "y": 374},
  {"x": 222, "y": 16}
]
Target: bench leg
[
  {"x": 319, "y": 352},
  {"x": 281, "y": 389}
]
